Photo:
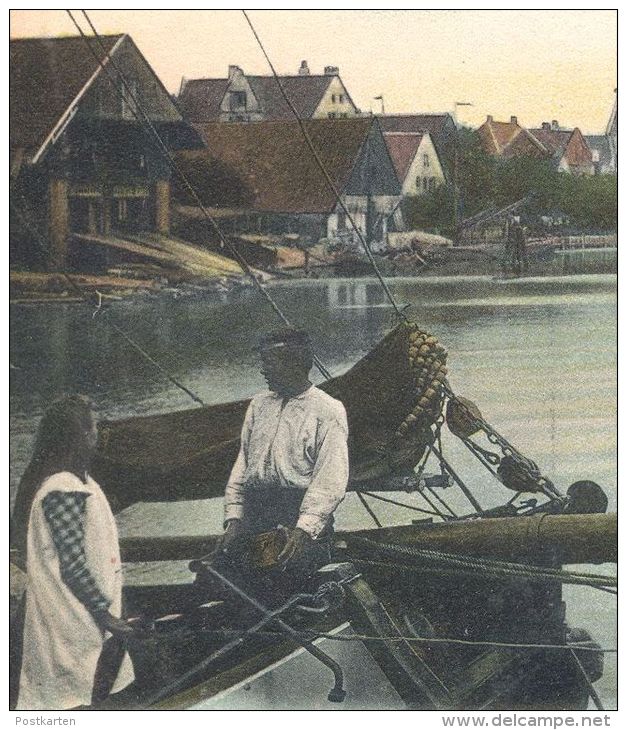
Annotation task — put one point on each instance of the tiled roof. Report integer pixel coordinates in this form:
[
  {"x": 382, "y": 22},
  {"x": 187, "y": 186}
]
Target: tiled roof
[
  {"x": 432, "y": 123},
  {"x": 555, "y": 140},
  {"x": 568, "y": 143},
  {"x": 305, "y": 93},
  {"x": 509, "y": 139},
  {"x": 46, "y": 75},
  {"x": 272, "y": 166},
  {"x": 200, "y": 99},
  {"x": 402, "y": 147}
]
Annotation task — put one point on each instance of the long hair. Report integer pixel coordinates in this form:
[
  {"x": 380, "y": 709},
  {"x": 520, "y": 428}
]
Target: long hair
[{"x": 62, "y": 444}]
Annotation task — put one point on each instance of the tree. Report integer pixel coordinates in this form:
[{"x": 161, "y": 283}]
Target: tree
[{"x": 485, "y": 182}]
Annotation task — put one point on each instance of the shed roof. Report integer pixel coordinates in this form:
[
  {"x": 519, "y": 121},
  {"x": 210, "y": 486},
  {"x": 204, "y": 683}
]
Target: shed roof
[{"x": 273, "y": 164}]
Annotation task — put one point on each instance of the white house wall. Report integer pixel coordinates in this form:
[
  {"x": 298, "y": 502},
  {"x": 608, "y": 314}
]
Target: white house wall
[
  {"x": 335, "y": 103},
  {"x": 418, "y": 170}
]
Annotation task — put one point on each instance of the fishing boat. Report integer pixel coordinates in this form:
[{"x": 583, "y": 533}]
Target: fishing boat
[
  {"x": 458, "y": 612},
  {"x": 455, "y": 611}
]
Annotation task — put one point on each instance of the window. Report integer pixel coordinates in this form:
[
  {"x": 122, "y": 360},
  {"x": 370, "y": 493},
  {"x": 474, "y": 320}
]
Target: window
[
  {"x": 595, "y": 155},
  {"x": 418, "y": 182},
  {"x": 425, "y": 160},
  {"x": 331, "y": 115},
  {"x": 333, "y": 98},
  {"x": 122, "y": 209},
  {"x": 237, "y": 100},
  {"x": 341, "y": 98},
  {"x": 425, "y": 184},
  {"x": 431, "y": 184},
  {"x": 142, "y": 162}
]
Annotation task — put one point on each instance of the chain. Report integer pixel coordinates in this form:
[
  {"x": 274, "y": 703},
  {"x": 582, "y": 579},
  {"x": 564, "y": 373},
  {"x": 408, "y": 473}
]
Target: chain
[{"x": 522, "y": 463}]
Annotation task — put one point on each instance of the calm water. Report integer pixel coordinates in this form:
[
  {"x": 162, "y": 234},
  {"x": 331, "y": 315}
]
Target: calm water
[{"x": 538, "y": 356}]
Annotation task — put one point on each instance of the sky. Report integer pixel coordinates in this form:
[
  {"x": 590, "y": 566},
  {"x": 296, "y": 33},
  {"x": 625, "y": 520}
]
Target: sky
[{"x": 538, "y": 65}]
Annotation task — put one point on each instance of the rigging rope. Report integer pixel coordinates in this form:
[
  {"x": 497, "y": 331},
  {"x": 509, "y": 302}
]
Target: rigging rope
[
  {"x": 488, "y": 565},
  {"x": 467, "y": 642},
  {"x": 412, "y": 507},
  {"x": 179, "y": 634},
  {"x": 369, "y": 509},
  {"x": 399, "y": 313},
  {"x": 137, "y": 109},
  {"x": 107, "y": 321},
  {"x": 567, "y": 578}
]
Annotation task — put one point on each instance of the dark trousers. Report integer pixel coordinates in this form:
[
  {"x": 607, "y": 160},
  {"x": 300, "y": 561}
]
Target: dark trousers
[{"x": 267, "y": 509}]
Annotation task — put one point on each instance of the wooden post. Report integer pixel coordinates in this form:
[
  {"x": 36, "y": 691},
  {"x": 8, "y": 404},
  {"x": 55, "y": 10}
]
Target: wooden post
[
  {"x": 92, "y": 226},
  {"x": 106, "y": 215},
  {"x": 58, "y": 223},
  {"x": 162, "y": 206}
]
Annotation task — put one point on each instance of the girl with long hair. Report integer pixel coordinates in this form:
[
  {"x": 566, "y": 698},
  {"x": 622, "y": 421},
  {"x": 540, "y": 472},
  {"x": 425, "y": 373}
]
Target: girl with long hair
[{"x": 65, "y": 532}]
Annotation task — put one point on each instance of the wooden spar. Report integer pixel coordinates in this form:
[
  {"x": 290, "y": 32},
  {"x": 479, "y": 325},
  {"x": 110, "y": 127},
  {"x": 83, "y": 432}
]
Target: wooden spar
[
  {"x": 574, "y": 538},
  {"x": 586, "y": 538}
]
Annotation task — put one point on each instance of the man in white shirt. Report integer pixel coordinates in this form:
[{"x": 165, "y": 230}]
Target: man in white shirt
[{"x": 292, "y": 467}]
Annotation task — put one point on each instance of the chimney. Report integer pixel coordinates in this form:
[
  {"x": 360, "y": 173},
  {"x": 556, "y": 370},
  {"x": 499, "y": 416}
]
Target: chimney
[
  {"x": 546, "y": 126},
  {"x": 555, "y": 125},
  {"x": 304, "y": 69},
  {"x": 490, "y": 119},
  {"x": 233, "y": 70},
  {"x": 513, "y": 120},
  {"x": 331, "y": 70}
]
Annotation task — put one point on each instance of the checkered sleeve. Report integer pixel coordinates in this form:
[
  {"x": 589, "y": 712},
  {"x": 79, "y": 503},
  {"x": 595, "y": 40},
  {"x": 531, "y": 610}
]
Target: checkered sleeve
[{"x": 65, "y": 513}]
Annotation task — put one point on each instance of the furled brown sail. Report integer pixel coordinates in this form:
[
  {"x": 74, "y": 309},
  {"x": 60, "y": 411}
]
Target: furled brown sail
[{"x": 391, "y": 398}]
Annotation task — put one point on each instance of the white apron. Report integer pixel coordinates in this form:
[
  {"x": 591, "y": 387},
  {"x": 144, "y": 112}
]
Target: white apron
[{"x": 62, "y": 643}]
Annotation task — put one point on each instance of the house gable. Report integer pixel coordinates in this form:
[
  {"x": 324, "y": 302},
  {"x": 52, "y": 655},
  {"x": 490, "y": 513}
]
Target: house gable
[
  {"x": 374, "y": 172},
  {"x": 577, "y": 155},
  {"x": 239, "y": 101},
  {"x": 54, "y": 80},
  {"x": 510, "y": 139},
  {"x": 48, "y": 77},
  {"x": 108, "y": 98},
  {"x": 425, "y": 166},
  {"x": 336, "y": 102},
  {"x": 441, "y": 127}
]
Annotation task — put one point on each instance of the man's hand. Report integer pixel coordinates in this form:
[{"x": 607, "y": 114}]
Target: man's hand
[
  {"x": 296, "y": 546},
  {"x": 116, "y": 626},
  {"x": 233, "y": 536}
]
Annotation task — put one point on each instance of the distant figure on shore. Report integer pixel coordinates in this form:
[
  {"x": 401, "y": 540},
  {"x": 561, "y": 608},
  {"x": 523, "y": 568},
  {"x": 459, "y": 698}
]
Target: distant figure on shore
[
  {"x": 65, "y": 529},
  {"x": 515, "y": 259}
]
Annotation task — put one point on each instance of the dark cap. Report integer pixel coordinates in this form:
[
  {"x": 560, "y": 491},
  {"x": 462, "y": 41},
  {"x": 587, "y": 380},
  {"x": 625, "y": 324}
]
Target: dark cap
[
  {"x": 287, "y": 337},
  {"x": 295, "y": 343}
]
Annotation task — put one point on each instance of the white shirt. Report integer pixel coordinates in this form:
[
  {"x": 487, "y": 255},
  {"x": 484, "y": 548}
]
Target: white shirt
[
  {"x": 62, "y": 642},
  {"x": 300, "y": 442}
]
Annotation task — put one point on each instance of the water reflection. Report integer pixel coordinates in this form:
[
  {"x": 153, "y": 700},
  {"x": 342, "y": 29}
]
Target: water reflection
[{"x": 537, "y": 355}]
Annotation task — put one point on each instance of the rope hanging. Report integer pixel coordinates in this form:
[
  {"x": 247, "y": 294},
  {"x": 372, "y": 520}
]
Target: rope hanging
[
  {"x": 399, "y": 313},
  {"x": 137, "y": 109}
]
